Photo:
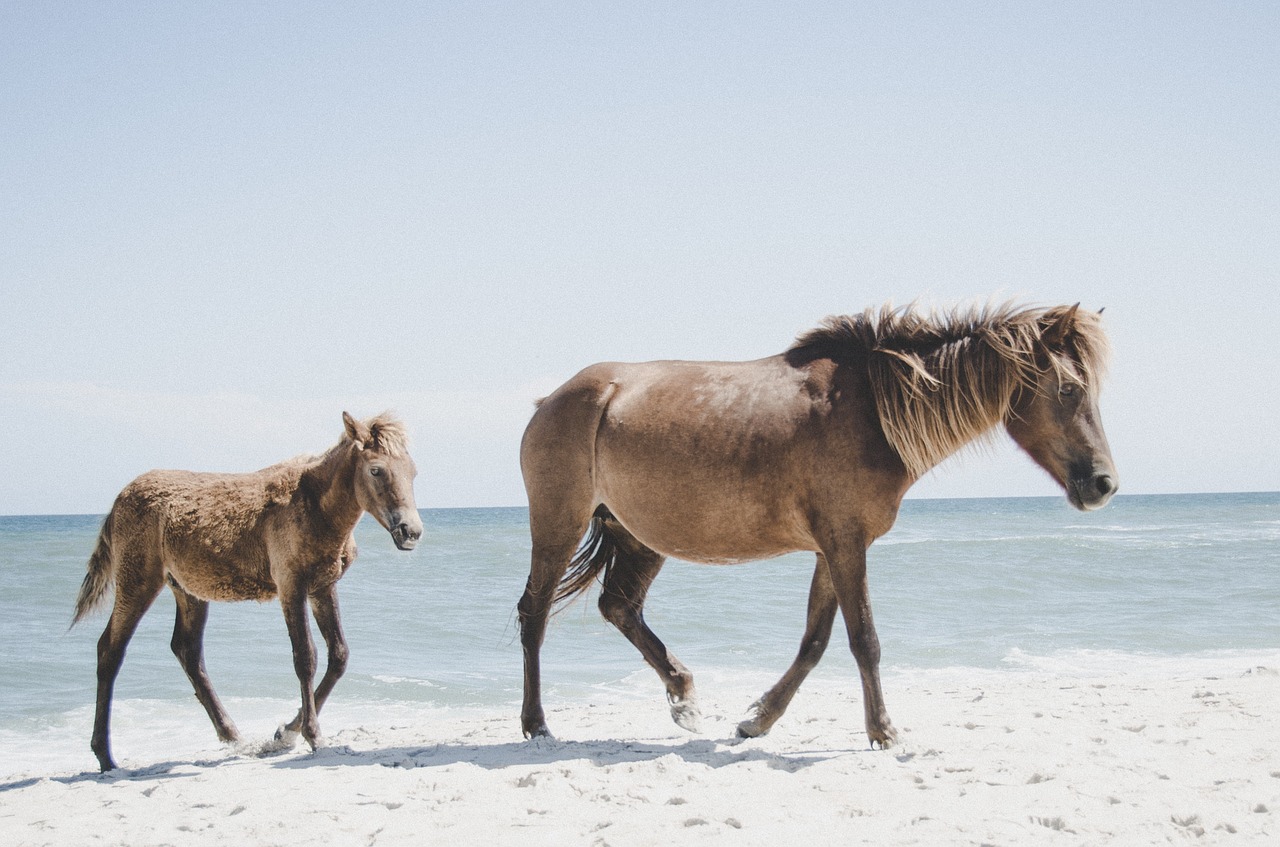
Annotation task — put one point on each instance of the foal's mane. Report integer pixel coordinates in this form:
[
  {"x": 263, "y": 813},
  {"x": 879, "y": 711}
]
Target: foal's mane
[
  {"x": 389, "y": 434},
  {"x": 943, "y": 380}
]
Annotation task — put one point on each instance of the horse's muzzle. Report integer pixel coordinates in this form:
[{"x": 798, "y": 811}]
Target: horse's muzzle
[
  {"x": 1092, "y": 492},
  {"x": 405, "y": 534}
]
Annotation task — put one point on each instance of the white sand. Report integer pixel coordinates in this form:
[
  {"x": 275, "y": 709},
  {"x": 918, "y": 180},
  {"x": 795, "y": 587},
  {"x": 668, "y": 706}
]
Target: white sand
[{"x": 1000, "y": 758}]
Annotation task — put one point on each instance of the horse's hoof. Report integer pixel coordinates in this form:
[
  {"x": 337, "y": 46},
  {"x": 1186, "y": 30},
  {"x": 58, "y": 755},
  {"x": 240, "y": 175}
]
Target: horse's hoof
[
  {"x": 286, "y": 737},
  {"x": 886, "y": 738},
  {"x": 686, "y": 715},
  {"x": 539, "y": 731},
  {"x": 542, "y": 741},
  {"x": 756, "y": 725},
  {"x": 284, "y": 740}
]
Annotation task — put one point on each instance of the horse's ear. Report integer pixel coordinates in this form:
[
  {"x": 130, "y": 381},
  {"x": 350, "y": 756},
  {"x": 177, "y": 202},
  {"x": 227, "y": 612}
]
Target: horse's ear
[
  {"x": 1056, "y": 333},
  {"x": 356, "y": 431}
]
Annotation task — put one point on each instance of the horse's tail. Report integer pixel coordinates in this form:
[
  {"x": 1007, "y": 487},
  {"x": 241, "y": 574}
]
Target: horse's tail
[
  {"x": 100, "y": 576},
  {"x": 598, "y": 553}
]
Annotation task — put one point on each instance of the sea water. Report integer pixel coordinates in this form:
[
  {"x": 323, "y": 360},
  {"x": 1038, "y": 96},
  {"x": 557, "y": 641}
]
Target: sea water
[{"x": 1000, "y": 585}]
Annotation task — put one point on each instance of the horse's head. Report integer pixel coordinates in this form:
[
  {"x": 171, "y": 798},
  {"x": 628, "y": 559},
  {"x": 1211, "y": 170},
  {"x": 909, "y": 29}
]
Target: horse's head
[
  {"x": 384, "y": 475},
  {"x": 1054, "y": 417}
]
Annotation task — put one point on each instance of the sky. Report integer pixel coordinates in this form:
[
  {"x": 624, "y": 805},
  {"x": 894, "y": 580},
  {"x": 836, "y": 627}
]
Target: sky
[{"x": 223, "y": 224}]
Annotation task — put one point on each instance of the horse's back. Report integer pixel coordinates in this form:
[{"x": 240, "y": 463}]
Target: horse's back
[
  {"x": 702, "y": 460},
  {"x": 208, "y": 530}
]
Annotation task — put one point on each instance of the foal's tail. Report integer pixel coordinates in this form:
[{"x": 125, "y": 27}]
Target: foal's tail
[
  {"x": 599, "y": 551},
  {"x": 100, "y": 576}
]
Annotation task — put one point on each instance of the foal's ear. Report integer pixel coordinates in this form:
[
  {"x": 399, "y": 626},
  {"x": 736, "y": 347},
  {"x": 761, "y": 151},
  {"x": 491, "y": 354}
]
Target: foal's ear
[
  {"x": 1057, "y": 332},
  {"x": 356, "y": 431}
]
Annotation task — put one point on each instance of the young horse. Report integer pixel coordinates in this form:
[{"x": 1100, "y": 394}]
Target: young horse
[
  {"x": 813, "y": 449},
  {"x": 284, "y": 530}
]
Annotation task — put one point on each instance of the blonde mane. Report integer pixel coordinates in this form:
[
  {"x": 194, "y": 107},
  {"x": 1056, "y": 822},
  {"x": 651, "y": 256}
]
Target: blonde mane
[
  {"x": 944, "y": 380},
  {"x": 389, "y": 435}
]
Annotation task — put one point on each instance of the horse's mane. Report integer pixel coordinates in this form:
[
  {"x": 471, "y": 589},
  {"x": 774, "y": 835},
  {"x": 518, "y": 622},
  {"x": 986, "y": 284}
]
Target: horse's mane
[
  {"x": 389, "y": 435},
  {"x": 943, "y": 380}
]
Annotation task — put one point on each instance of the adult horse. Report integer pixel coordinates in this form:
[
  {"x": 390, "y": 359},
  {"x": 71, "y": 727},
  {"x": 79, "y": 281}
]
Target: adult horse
[
  {"x": 284, "y": 530},
  {"x": 812, "y": 449}
]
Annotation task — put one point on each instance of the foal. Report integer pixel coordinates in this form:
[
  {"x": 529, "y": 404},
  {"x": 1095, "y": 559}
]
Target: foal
[{"x": 282, "y": 531}]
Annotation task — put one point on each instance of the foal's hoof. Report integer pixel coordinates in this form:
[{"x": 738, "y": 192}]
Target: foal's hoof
[
  {"x": 286, "y": 737},
  {"x": 686, "y": 714},
  {"x": 284, "y": 740}
]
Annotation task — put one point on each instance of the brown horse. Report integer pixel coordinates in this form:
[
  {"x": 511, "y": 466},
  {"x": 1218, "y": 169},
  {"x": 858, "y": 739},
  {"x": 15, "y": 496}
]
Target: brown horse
[
  {"x": 284, "y": 530},
  {"x": 812, "y": 449}
]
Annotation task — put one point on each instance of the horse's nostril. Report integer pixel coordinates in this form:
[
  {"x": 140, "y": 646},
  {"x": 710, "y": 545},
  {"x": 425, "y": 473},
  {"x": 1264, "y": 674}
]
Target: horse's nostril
[{"x": 1105, "y": 485}]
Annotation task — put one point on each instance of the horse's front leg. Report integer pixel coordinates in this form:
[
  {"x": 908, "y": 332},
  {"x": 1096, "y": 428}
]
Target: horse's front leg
[
  {"x": 847, "y": 566},
  {"x": 817, "y": 633},
  {"x": 324, "y": 606},
  {"x": 293, "y": 601}
]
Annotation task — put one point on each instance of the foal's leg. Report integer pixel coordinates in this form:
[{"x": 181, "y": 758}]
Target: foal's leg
[
  {"x": 293, "y": 601},
  {"x": 188, "y": 645},
  {"x": 136, "y": 589},
  {"x": 626, "y": 584},
  {"x": 324, "y": 606},
  {"x": 817, "y": 632},
  {"x": 848, "y": 569}
]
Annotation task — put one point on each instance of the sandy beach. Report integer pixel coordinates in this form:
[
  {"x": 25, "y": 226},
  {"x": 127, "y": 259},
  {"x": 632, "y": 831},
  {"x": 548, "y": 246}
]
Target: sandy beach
[{"x": 986, "y": 758}]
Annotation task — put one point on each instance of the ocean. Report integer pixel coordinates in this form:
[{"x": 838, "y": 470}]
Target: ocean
[{"x": 1178, "y": 582}]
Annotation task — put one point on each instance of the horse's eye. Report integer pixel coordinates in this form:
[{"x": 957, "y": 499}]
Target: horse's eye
[
  {"x": 1067, "y": 390},
  {"x": 375, "y": 471}
]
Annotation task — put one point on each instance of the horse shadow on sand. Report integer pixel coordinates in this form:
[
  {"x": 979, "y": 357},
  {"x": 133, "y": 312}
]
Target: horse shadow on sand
[
  {"x": 544, "y": 751},
  {"x": 713, "y": 753}
]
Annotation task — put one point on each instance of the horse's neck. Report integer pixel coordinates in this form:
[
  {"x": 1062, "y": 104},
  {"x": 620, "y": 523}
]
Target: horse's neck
[
  {"x": 331, "y": 479},
  {"x": 927, "y": 428}
]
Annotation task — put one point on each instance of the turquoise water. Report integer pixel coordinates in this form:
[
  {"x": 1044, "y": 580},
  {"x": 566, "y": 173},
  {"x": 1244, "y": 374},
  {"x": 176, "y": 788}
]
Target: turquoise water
[{"x": 985, "y": 583}]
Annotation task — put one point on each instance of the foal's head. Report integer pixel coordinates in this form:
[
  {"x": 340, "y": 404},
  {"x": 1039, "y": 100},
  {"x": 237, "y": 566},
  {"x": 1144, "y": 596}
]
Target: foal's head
[
  {"x": 1055, "y": 418},
  {"x": 384, "y": 475}
]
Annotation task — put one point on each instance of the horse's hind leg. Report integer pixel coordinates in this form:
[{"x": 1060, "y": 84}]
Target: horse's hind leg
[
  {"x": 626, "y": 583},
  {"x": 324, "y": 607},
  {"x": 550, "y": 560},
  {"x": 136, "y": 589},
  {"x": 557, "y": 456},
  {"x": 817, "y": 632},
  {"x": 188, "y": 645}
]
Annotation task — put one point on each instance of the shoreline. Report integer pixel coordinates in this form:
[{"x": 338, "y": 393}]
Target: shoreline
[
  {"x": 1053, "y": 497},
  {"x": 1001, "y": 758}
]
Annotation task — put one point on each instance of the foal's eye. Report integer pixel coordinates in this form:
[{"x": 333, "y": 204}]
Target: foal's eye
[
  {"x": 1068, "y": 390},
  {"x": 375, "y": 471}
]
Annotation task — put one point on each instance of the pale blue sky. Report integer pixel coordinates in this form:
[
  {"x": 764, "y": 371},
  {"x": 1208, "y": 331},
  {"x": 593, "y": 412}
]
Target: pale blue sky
[{"x": 222, "y": 224}]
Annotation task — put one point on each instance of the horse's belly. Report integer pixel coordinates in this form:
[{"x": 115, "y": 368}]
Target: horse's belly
[
  {"x": 715, "y": 551},
  {"x": 222, "y": 580},
  {"x": 727, "y": 532}
]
